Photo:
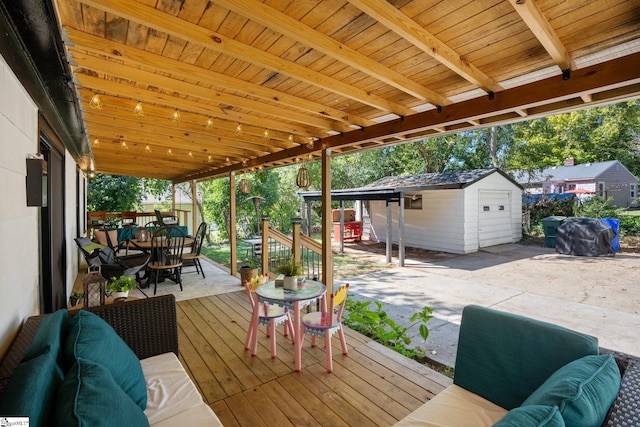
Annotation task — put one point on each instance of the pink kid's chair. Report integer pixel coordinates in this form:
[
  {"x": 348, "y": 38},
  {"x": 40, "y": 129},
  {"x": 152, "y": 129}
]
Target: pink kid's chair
[
  {"x": 326, "y": 323},
  {"x": 270, "y": 315}
]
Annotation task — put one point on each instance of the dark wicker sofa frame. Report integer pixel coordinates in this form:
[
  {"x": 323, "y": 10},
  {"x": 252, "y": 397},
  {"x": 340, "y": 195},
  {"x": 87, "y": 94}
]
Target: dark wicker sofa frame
[{"x": 149, "y": 327}]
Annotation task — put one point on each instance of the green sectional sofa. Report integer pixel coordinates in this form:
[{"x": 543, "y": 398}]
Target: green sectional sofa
[{"x": 516, "y": 371}]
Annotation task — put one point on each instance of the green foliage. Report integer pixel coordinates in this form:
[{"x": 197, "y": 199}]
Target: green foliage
[
  {"x": 629, "y": 225},
  {"x": 121, "y": 284},
  {"x": 113, "y": 193},
  {"x": 597, "y": 207},
  {"x": 289, "y": 267},
  {"x": 377, "y": 325},
  {"x": 551, "y": 206}
]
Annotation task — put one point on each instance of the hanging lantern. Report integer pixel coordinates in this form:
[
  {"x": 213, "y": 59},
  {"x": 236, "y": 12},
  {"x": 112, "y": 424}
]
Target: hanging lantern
[
  {"x": 94, "y": 287},
  {"x": 303, "y": 178},
  {"x": 244, "y": 185}
]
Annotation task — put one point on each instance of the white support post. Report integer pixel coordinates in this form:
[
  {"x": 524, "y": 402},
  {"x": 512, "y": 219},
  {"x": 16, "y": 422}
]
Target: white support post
[
  {"x": 401, "y": 231},
  {"x": 389, "y": 233}
]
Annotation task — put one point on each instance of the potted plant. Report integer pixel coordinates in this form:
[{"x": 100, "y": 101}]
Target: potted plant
[
  {"x": 291, "y": 270},
  {"x": 120, "y": 286},
  {"x": 248, "y": 270},
  {"x": 75, "y": 298}
]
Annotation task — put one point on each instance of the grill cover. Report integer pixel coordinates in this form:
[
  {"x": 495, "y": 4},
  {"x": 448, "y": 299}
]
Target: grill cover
[{"x": 585, "y": 237}]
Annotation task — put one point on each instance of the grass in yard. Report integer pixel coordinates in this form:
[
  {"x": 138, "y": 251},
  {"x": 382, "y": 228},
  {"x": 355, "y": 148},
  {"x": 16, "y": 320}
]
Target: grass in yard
[{"x": 344, "y": 266}]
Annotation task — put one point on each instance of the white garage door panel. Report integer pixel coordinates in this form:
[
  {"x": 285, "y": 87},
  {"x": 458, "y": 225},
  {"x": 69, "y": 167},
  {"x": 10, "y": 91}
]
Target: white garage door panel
[{"x": 494, "y": 218}]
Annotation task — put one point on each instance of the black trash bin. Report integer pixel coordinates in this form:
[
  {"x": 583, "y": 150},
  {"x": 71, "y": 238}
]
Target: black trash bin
[{"x": 550, "y": 224}]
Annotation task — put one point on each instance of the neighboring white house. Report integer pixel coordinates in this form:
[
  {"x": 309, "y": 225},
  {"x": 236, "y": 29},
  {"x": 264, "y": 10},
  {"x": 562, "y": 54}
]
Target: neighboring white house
[{"x": 606, "y": 179}]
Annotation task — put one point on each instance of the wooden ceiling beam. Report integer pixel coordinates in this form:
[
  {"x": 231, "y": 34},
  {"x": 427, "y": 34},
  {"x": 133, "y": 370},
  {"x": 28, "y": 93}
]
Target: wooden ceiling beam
[
  {"x": 169, "y": 102},
  {"x": 296, "y": 30},
  {"x": 181, "y": 88},
  {"x": 619, "y": 78},
  {"x": 393, "y": 18},
  {"x": 164, "y": 22},
  {"x": 532, "y": 16},
  {"x": 121, "y": 52}
]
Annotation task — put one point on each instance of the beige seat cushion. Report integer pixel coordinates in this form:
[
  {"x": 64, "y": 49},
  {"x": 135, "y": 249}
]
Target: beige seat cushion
[
  {"x": 455, "y": 407},
  {"x": 173, "y": 399}
]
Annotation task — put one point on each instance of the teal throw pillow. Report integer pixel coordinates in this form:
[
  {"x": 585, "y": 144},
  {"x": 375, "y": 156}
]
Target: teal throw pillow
[
  {"x": 31, "y": 390},
  {"x": 89, "y": 396},
  {"x": 91, "y": 338},
  {"x": 49, "y": 336},
  {"x": 532, "y": 416},
  {"x": 583, "y": 390}
]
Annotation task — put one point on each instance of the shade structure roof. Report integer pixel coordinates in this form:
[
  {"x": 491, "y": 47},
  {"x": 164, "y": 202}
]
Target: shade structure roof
[
  {"x": 261, "y": 83},
  {"x": 391, "y": 188}
]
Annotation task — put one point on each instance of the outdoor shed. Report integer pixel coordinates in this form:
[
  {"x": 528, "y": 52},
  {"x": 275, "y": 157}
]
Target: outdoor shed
[{"x": 457, "y": 212}]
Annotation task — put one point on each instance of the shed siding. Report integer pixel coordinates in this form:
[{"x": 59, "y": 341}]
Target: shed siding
[
  {"x": 449, "y": 219},
  {"x": 617, "y": 181}
]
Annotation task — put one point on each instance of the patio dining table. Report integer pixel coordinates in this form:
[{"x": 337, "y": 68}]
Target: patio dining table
[
  {"x": 129, "y": 233},
  {"x": 306, "y": 292}
]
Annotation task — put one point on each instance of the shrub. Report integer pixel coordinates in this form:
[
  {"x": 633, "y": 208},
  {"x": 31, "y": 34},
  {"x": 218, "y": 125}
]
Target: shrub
[
  {"x": 597, "y": 207},
  {"x": 378, "y": 326},
  {"x": 629, "y": 225}
]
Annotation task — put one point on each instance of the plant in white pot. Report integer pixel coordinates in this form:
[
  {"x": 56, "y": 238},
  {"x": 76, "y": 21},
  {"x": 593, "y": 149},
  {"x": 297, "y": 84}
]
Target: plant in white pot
[
  {"x": 120, "y": 286},
  {"x": 291, "y": 270}
]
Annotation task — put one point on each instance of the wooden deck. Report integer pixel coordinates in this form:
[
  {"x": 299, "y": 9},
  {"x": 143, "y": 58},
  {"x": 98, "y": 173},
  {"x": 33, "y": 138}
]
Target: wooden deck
[{"x": 370, "y": 386}]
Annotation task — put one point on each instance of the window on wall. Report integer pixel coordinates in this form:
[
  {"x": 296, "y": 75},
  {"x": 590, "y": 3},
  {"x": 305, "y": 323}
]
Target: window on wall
[
  {"x": 413, "y": 201},
  {"x": 634, "y": 190},
  {"x": 601, "y": 190}
]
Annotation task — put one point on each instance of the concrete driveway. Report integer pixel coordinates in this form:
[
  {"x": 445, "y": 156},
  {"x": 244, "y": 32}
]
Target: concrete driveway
[{"x": 599, "y": 296}]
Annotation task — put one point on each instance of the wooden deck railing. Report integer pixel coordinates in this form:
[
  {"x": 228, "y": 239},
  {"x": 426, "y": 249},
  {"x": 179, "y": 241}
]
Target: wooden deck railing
[{"x": 277, "y": 247}]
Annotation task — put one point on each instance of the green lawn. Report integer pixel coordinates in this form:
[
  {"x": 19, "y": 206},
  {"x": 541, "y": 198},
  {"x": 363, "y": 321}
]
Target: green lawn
[{"x": 344, "y": 266}]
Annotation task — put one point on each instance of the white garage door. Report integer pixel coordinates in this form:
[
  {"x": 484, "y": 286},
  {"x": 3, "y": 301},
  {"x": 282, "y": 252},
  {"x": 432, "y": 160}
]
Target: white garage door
[{"x": 494, "y": 218}]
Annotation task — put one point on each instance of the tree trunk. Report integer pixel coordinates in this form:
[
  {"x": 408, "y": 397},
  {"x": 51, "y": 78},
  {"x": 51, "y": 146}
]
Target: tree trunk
[{"x": 493, "y": 146}]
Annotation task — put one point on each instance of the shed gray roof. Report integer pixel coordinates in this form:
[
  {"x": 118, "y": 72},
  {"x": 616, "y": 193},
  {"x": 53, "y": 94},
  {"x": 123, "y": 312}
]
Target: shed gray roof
[
  {"x": 565, "y": 173},
  {"x": 390, "y": 188}
]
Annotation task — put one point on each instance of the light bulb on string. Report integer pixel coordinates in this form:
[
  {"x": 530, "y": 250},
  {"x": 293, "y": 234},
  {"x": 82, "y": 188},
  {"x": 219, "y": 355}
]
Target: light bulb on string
[
  {"x": 239, "y": 129},
  {"x": 266, "y": 135},
  {"x": 96, "y": 142},
  {"x": 209, "y": 125},
  {"x": 137, "y": 110},
  {"x": 96, "y": 102},
  {"x": 147, "y": 148},
  {"x": 175, "y": 117}
]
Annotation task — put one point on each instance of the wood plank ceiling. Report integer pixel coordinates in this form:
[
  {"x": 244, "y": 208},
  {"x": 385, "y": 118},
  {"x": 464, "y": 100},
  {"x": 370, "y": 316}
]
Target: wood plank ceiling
[{"x": 261, "y": 83}]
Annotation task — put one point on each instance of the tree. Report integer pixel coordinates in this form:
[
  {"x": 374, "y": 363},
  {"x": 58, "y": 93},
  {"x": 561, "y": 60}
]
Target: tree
[{"x": 113, "y": 193}]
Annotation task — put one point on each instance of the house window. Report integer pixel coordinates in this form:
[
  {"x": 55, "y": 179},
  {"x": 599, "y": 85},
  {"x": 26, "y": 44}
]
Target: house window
[
  {"x": 634, "y": 190},
  {"x": 413, "y": 201},
  {"x": 601, "y": 190}
]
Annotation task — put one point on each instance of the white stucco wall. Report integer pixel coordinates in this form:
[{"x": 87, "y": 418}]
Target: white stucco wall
[{"x": 19, "y": 224}]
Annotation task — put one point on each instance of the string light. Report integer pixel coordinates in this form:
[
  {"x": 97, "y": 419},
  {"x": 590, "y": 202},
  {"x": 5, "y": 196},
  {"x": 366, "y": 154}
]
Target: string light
[
  {"x": 291, "y": 138},
  {"x": 169, "y": 152},
  {"x": 310, "y": 144},
  {"x": 191, "y": 154},
  {"x": 137, "y": 110},
  {"x": 209, "y": 125},
  {"x": 147, "y": 148},
  {"x": 175, "y": 117},
  {"x": 266, "y": 134},
  {"x": 227, "y": 161},
  {"x": 239, "y": 129},
  {"x": 96, "y": 102},
  {"x": 124, "y": 145},
  {"x": 210, "y": 159},
  {"x": 96, "y": 142}
]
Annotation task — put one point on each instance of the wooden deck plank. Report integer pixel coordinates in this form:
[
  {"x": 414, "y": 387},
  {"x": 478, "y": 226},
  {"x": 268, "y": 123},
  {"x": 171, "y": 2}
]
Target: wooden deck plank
[{"x": 372, "y": 385}]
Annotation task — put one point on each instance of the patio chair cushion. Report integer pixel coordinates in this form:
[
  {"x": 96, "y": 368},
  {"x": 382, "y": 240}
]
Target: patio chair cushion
[
  {"x": 89, "y": 396},
  {"x": 505, "y": 357},
  {"x": 583, "y": 390},
  {"x": 49, "y": 336},
  {"x": 32, "y": 389},
  {"x": 91, "y": 338},
  {"x": 532, "y": 416}
]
